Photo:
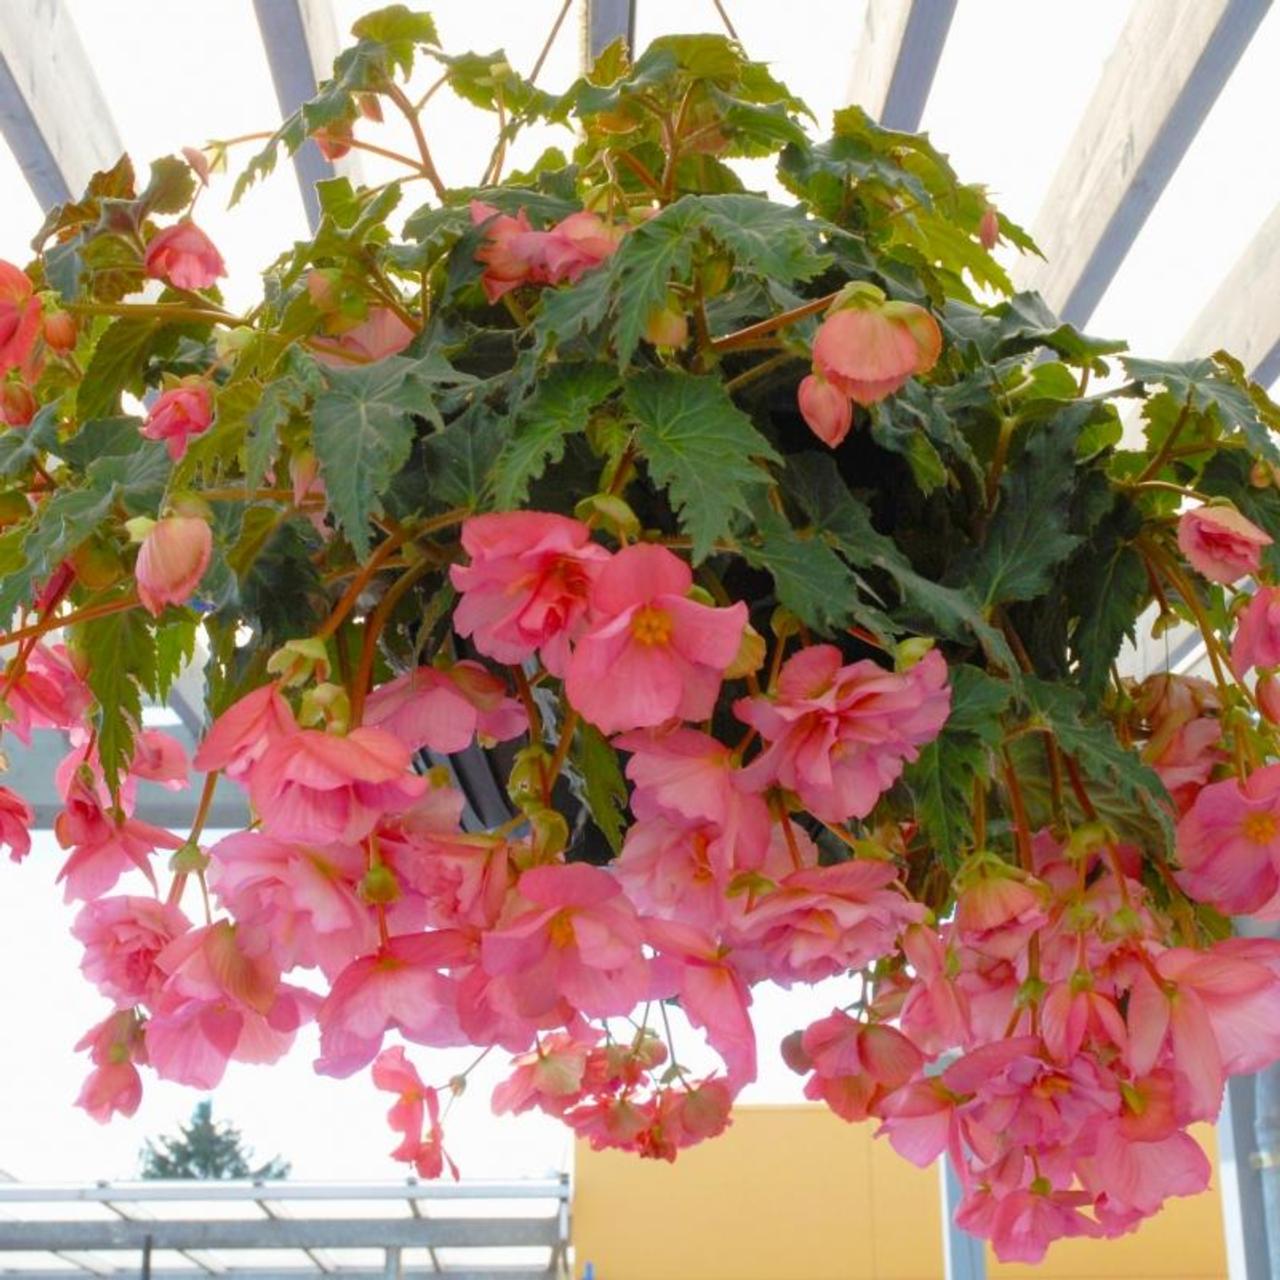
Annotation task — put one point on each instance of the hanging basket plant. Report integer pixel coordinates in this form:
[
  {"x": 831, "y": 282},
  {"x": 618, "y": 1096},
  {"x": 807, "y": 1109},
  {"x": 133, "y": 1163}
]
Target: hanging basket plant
[{"x": 764, "y": 570}]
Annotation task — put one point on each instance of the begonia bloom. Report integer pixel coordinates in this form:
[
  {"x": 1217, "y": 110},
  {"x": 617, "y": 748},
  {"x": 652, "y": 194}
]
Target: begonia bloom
[
  {"x": 178, "y": 414},
  {"x": 121, "y": 938},
  {"x": 1220, "y": 543},
  {"x": 243, "y": 732},
  {"x": 20, "y": 314},
  {"x": 183, "y": 256},
  {"x": 171, "y": 561},
  {"x": 16, "y": 817},
  {"x": 827, "y": 412},
  {"x": 868, "y": 351},
  {"x": 1257, "y": 638}
]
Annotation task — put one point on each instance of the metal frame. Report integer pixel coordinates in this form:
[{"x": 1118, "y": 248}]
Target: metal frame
[
  {"x": 897, "y": 58},
  {"x": 603, "y": 22}
]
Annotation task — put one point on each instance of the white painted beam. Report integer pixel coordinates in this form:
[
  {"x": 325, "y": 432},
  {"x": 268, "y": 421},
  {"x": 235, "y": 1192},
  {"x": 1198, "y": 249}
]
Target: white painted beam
[
  {"x": 603, "y": 22},
  {"x": 1169, "y": 65},
  {"x": 897, "y": 57},
  {"x": 52, "y": 112}
]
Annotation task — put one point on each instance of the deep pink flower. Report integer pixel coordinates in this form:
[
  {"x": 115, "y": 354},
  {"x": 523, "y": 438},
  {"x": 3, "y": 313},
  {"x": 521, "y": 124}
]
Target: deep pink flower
[
  {"x": 512, "y": 252},
  {"x": 828, "y": 412},
  {"x": 16, "y": 818},
  {"x": 579, "y": 940},
  {"x": 298, "y": 903},
  {"x": 650, "y": 652},
  {"x": 180, "y": 413},
  {"x": 1229, "y": 845},
  {"x": 1257, "y": 640},
  {"x": 329, "y": 788},
  {"x": 48, "y": 693},
  {"x": 444, "y": 709},
  {"x": 122, "y": 938},
  {"x": 243, "y": 732},
  {"x": 1221, "y": 543},
  {"x": 171, "y": 561},
  {"x": 526, "y": 588},
  {"x": 380, "y": 334},
  {"x": 160, "y": 758},
  {"x": 1022, "y": 1225},
  {"x": 869, "y": 350},
  {"x": 576, "y": 244},
  {"x": 19, "y": 317},
  {"x": 839, "y": 735},
  {"x": 856, "y": 1065},
  {"x": 400, "y": 986},
  {"x": 184, "y": 256},
  {"x": 997, "y": 912},
  {"x": 394, "y": 1073}
]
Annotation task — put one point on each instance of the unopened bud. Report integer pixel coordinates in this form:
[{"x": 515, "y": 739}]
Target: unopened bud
[
  {"x": 750, "y": 656},
  {"x": 327, "y": 705},
  {"x": 17, "y": 404},
  {"x": 190, "y": 859},
  {"x": 550, "y": 833},
  {"x": 14, "y": 508},
  {"x": 989, "y": 228},
  {"x": 97, "y": 564},
  {"x": 299, "y": 661},
  {"x": 1268, "y": 696},
  {"x": 908, "y": 652},
  {"x": 379, "y": 885},
  {"x": 231, "y": 342},
  {"x": 610, "y": 512},
  {"x": 60, "y": 330},
  {"x": 667, "y": 326}
]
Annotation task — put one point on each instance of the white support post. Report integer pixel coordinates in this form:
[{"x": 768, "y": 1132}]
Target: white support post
[
  {"x": 897, "y": 57},
  {"x": 1171, "y": 62},
  {"x": 52, "y": 112}
]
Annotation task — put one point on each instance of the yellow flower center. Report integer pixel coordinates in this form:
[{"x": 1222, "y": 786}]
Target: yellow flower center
[
  {"x": 1260, "y": 828},
  {"x": 651, "y": 626},
  {"x": 561, "y": 929}
]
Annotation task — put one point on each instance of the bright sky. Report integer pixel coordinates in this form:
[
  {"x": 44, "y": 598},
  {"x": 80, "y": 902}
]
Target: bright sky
[{"x": 1012, "y": 83}]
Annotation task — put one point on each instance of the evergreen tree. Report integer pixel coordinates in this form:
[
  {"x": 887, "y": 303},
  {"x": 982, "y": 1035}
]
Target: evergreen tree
[{"x": 205, "y": 1150}]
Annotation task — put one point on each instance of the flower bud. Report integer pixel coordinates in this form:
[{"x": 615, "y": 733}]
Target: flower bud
[
  {"x": 97, "y": 564},
  {"x": 379, "y": 886},
  {"x": 1268, "y": 696},
  {"x": 667, "y": 326},
  {"x": 327, "y": 705},
  {"x": 184, "y": 256},
  {"x": 333, "y": 139},
  {"x": 199, "y": 163},
  {"x": 828, "y": 413},
  {"x": 17, "y": 404},
  {"x": 60, "y": 331},
  {"x": 299, "y": 661},
  {"x": 750, "y": 656},
  {"x": 370, "y": 106},
  {"x": 171, "y": 561},
  {"x": 989, "y": 228}
]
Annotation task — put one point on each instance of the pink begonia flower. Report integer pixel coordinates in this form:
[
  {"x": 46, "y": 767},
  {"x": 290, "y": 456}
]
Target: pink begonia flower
[
  {"x": 1229, "y": 845},
  {"x": 677, "y": 870},
  {"x": 578, "y": 940},
  {"x": 184, "y": 256},
  {"x": 445, "y": 710},
  {"x": 827, "y": 412},
  {"x": 398, "y": 987},
  {"x": 609, "y": 1122},
  {"x": 113, "y": 1087},
  {"x": 20, "y": 314},
  {"x": 1257, "y": 639},
  {"x": 1185, "y": 756},
  {"x": 712, "y": 994},
  {"x": 996, "y": 913},
  {"x": 1022, "y": 1224},
  {"x": 394, "y": 1073},
  {"x": 650, "y": 653},
  {"x": 683, "y": 1116},
  {"x": 839, "y": 735},
  {"x": 122, "y": 938},
  {"x": 512, "y": 252},
  {"x": 821, "y": 921},
  {"x": 298, "y": 903},
  {"x": 103, "y": 845},
  {"x": 242, "y": 733},
  {"x": 1220, "y": 543},
  {"x": 550, "y": 1078},
  {"x": 160, "y": 758},
  {"x": 921, "y": 1122},
  {"x": 1070, "y": 1015},
  {"x": 525, "y": 590},
  {"x": 16, "y": 818},
  {"x": 688, "y": 776},
  {"x": 1142, "y": 1175},
  {"x": 856, "y": 1064},
  {"x": 328, "y": 788},
  {"x": 935, "y": 1013},
  {"x": 868, "y": 353},
  {"x": 48, "y": 693},
  {"x": 380, "y": 334},
  {"x": 578, "y": 243},
  {"x": 171, "y": 561},
  {"x": 178, "y": 414},
  {"x": 1267, "y": 692},
  {"x": 218, "y": 1003}
]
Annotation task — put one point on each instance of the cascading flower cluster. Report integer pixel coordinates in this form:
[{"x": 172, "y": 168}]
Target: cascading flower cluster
[{"x": 528, "y": 492}]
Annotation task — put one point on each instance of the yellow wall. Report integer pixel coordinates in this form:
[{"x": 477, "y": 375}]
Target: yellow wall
[{"x": 793, "y": 1193}]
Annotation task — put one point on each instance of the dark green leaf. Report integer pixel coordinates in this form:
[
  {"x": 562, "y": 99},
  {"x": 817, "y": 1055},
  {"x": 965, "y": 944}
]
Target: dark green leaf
[
  {"x": 22, "y": 446},
  {"x": 604, "y": 787}
]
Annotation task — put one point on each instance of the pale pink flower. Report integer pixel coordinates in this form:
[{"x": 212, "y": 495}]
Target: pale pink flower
[
  {"x": 683, "y": 1115},
  {"x": 828, "y": 412},
  {"x": 512, "y": 252},
  {"x": 160, "y": 758},
  {"x": 1022, "y": 1224},
  {"x": 576, "y": 244},
  {"x": 416, "y": 1102},
  {"x": 856, "y": 1065},
  {"x": 579, "y": 940},
  {"x": 184, "y": 256},
  {"x": 996, "y": 913},
  {"x": 1220, "y": 543},
  {"x": 20, "y": 313},
  {"x": 550, "y": 1078},
  {"x": 677, "y": 870},
  {"x": 48, "y": 693},
  {"x": 122, "y": 938},
  {"x": 398, "y": 987},
  {"x": 380, "y": 334},
  {"x": 444, "y": 709},
  {"x": 868, "y": 352},
  {"x": 1141, "y": 1175},
  {"x": 113, "y": 1087},
  {"x": 839, "y": 735},
  {"x": 650, "y": 652},
  {"x": 16, "y": 818},
  {"x": 1229, "y": 845},
  {"x": 1257, "y": 639},
  {"x": 526, "y": 588},
  {"x": 242, "y": 733},
  {"x": 328, "y": 788},
  {"x": 935, "y": 1012},
  {"x": 180, "y": 413},
  {"x": 171, "y": 561}
]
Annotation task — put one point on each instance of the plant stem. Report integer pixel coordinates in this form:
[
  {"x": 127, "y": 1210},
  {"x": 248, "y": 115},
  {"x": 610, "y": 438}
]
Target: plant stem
[
  {"x": 1162, "y": 454},
  {"x": 397, "y": 95},
  {"x": 742, "y": 337},
  {"x": 87, "y": 614},
  {"x": 157, "y": 310},
  {"x": 362, "y": 579},
  {"x": 373, "y": 629},
  {"x": 561, "y": 753},
  {"x": 550, "y": 40}
]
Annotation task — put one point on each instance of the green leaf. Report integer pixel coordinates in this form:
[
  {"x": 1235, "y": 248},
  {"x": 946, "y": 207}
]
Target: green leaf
[
  {"x": 102, "y": 438},
  {"x": 362, "y": 430},
  {"x": 459, "y": 460},
  {"x": 604, "y": 787},
  {"x": 1108, "y": 589},
  {"x": 1027, "y": 538},
  {"x": 646, "y": 262},
  {"x": 766, "y": 239},
  {"x": 171, "y": 187},
  {"x": 175, "y": 648},
  {"x": 22, "y": 446},
  {"x": 560, "y": 406},
  {"x": 978, "y": 700},
  {"x": 700, "y": 447},
  {"x": 120, "y": 666}
]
